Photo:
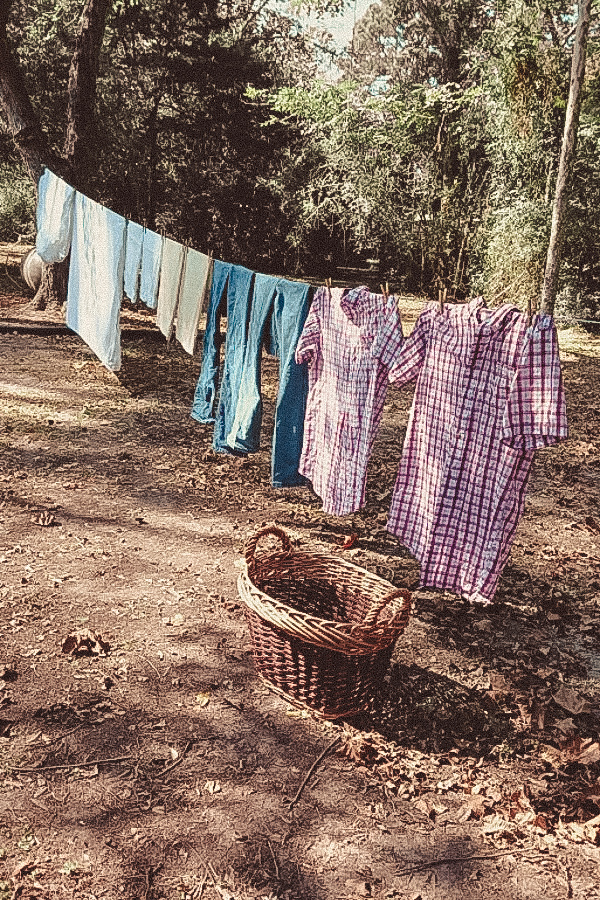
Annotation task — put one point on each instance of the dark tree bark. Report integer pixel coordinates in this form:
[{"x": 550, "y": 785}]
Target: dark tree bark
[
  {"x": 81, "y": 143},
  {"x": 565, "y": 166},
  {"x": 78, "y": 162},
  {"x": 21, "y": 120}
]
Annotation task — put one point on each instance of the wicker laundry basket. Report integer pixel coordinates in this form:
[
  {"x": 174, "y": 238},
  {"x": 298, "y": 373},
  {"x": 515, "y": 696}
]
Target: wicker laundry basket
[{"x": 322, "y": 628}]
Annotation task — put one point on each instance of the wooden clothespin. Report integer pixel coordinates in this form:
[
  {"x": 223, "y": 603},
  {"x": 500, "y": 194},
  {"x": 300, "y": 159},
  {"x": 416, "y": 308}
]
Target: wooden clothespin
[
  {"x": 328, "y": 285},
  {"x": 529, "y": 310},
  {"x": 385, "y": 290},
  {"x": 442, "y": 294}
]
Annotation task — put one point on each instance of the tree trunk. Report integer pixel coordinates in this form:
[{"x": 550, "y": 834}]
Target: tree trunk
[
  {"x": 79, "y": 162},
  {"x": 550, "y": 283},
  {"x": 21, "y": 120},
  {"x": 82, "y": 134}
]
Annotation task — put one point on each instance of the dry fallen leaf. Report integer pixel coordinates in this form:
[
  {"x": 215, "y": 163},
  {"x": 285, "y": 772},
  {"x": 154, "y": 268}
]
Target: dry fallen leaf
[
  {"x": 45, "y": 519},
  {"x": 85, "y": 642},
  {"x": 213, "y": 787},
  {"x": 571, "y": 701}
]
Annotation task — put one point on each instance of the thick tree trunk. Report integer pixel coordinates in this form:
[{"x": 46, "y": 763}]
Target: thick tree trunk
[
  {"x": 79, "y": 162},
  {"x": 550, "y": 283},
  {"x": 82, "y": 133}
]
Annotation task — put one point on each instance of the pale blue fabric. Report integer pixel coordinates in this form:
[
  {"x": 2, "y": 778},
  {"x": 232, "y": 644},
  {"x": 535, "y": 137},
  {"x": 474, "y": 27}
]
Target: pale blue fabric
[
  {"x": 95, "y": 285},
  {"x": 150, "y": 275},
  {"x": 278, "y": 312},
  {"x": 54, "y": 217},
  {"x": 133, "y": 260}
]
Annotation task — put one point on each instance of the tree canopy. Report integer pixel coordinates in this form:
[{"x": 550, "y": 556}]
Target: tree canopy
[{"x": 433, "y": 149}]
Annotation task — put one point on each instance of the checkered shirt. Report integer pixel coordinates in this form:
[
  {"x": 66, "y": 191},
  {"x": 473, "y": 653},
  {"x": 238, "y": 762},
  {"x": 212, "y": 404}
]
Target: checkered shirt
[
  {"x": 489, "y": 392},
  {"x": 350, "y": 340}
]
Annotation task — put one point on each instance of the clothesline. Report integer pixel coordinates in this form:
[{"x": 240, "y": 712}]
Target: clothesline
[{"x": 488, "y": 393}]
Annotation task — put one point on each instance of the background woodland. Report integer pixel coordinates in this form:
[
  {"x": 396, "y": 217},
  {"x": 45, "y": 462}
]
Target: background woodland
[{"x": 430, "y": 145}]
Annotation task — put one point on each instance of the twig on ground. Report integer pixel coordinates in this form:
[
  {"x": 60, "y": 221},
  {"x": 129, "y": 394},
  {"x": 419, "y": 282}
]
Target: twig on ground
[
  {"x": 177, "y": 761},
  {"x": 274, "y": 860},
  {"x": 448, "y": 860},
  {"x": 75, "y": 765},
  {"x": 199, "y": 889},
  {"x": 312, "y": 769}
]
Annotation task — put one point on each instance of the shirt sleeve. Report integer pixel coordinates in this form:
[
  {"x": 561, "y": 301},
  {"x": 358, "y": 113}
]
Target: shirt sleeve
[
  {"x": 535, "y": 413},
  {"x": 411, "y": 355},
  {"x": 389, "y": 340},
  {"x": 309, "y": 342}
]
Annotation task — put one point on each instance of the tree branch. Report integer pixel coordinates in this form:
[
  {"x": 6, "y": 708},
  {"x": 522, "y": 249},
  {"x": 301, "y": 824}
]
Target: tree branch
[{"x": 550, "y": 283}]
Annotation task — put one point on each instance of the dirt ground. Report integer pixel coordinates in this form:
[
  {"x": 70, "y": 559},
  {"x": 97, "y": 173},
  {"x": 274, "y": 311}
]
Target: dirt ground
[{"x": 150, "y": 762}]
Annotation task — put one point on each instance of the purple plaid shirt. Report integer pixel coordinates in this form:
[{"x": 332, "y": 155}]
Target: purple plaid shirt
[
  {"x": 350, "y": 340},
  {"x": 489, "y": 392}
]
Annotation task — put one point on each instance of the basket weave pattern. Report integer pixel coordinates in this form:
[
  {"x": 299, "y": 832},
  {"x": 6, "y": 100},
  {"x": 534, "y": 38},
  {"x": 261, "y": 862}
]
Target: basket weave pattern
[{"x": 322, "y": 629}]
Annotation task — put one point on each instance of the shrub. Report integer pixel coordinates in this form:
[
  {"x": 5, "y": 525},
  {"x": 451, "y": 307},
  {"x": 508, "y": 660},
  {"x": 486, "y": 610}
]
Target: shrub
[{"x": 17, "y": 204}]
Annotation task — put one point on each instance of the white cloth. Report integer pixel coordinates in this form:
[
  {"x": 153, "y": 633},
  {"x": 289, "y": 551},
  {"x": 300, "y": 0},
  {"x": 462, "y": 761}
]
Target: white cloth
[
  {"x": 96, "y": 279},
  {"x": 170, "y": 279},
  {"x": 133, "y": 260},
  {"x": 54, "y": 217},
  {"x": 194, "y": 286},
  {"x": 150, "y": 274}
]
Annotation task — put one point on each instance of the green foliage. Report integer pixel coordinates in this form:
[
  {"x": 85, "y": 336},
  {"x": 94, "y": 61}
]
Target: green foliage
[
  {"x": 436, "y": 151},
  {"x": 178, "y": 144},
  {"x": 515, "y": 240},
  {"x": 17, "y": 203}
]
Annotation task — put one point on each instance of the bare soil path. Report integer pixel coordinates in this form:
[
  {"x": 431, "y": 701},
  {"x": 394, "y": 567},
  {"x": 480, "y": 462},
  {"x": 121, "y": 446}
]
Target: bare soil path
[{"x": 154, "y": 764}]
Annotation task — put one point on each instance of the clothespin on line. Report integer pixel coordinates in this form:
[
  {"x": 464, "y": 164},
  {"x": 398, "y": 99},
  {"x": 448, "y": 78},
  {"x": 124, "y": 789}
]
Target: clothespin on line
[
  {"x": 328, "y": 285},
  {"x": 442, "y": 294},
  {"x": 529, "y": 310},
  {"x": 385, "y": 290}
]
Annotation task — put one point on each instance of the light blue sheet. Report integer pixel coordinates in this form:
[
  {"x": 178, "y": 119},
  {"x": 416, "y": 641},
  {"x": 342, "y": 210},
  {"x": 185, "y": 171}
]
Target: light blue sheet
[
  {"x": 54, "y": 217},
  {"x": 150, "y": 274},
  {"x": 96, "y": 279},
  {"x": 133, "y": 260}
]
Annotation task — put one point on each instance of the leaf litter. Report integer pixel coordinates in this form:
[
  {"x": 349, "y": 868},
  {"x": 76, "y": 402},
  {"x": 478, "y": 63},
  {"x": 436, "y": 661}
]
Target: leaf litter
[{"x": 487, "y": 724}]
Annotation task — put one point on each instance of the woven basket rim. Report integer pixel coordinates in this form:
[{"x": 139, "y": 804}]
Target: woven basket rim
[{"x": 347, "y": 637}]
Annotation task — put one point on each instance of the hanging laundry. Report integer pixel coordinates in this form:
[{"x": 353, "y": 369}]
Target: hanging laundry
[
  {"x": 171, "y": 270},
  {"x": 54, "y": 217},
  {"x": 195, "y": 285},
  {"x": 207, "y": 388},
  {"x": 278, "y": 312},
  {"x": 489, "y": 392},
  {"x": 95, "y": 286},
  {"x": 239, "y": 294},
  {"x": 350, "y": 340},
  {"x": 152, "y": 246},
  {"x": 133, "y": 260},
  {"x": 213, "y": 401}
]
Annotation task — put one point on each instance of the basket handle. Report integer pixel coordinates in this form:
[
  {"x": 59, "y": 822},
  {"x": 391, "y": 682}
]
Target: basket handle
[
  {"x": 373, "y": 613},
  {"x": 270, "y": 529}
]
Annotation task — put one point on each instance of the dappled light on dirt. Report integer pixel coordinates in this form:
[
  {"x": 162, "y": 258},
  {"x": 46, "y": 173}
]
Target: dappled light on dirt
[{"x": 141, "y": 757}]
